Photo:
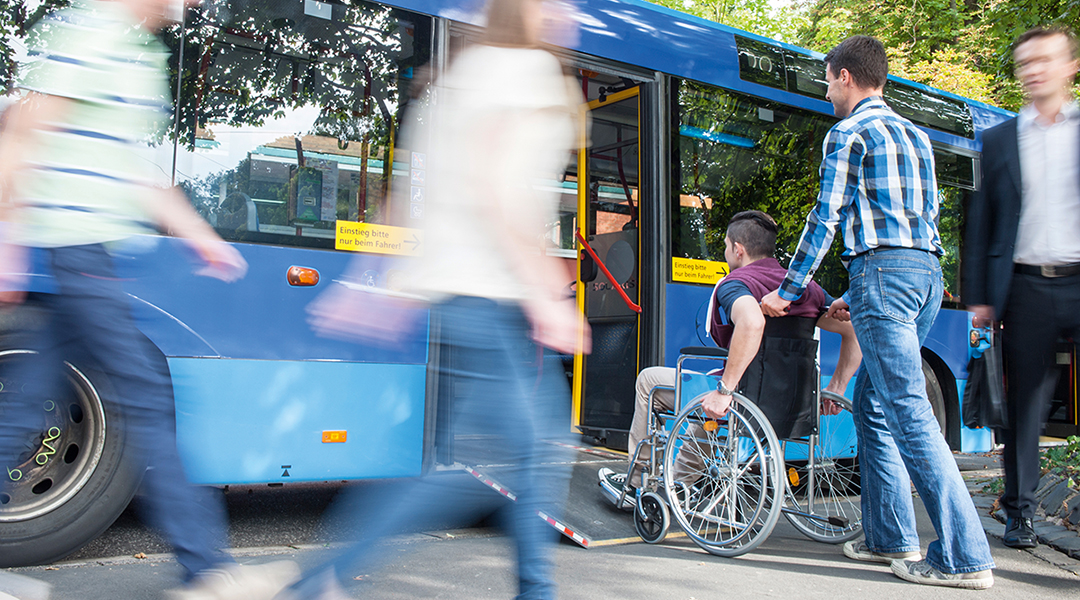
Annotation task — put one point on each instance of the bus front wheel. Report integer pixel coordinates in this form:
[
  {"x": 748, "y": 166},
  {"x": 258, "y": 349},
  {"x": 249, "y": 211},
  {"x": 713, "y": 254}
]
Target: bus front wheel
[{"x": 74, "y": 477}]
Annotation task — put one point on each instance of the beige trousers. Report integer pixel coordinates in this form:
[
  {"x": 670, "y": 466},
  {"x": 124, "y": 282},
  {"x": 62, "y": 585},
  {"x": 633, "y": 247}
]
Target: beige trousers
[{"x": 663, "y": 400}]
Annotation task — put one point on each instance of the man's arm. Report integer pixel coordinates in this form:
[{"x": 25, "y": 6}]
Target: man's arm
[
  {"x": 839, "y": 180},
  {"x": 21, "y": 120},
  {"x": 850, "y": 353},
  {"x": 749, "y": 324},
  {"x": 173, "y": 214}
]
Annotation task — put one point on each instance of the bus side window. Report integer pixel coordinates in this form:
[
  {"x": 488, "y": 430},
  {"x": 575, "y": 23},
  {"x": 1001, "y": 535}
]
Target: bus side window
[
  {"x": 288, "y": 119},
  {"x": 956, "y": 181}
]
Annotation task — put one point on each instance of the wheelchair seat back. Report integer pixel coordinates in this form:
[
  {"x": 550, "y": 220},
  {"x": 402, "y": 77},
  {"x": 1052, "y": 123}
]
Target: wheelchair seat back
[{"x": 783, "y": 380}]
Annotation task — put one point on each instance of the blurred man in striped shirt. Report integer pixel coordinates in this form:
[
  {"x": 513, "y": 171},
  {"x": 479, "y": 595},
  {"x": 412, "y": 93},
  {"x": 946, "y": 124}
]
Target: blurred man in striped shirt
[{"x": 74, "y": 184}]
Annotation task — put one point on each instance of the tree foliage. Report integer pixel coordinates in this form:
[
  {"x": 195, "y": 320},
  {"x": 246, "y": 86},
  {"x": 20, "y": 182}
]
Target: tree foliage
[{"x": 960, "y": 46}]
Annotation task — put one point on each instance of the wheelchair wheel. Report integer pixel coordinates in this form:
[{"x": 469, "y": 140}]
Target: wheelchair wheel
[
  {"x": 722, "y": 477},
  {"x": 824, "y": 499},
  {"x": 651, "y": 518}
]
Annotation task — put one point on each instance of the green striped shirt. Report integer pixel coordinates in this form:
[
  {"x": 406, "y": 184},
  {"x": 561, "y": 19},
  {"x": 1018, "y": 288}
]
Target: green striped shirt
[{"x": 88, "y": 174}]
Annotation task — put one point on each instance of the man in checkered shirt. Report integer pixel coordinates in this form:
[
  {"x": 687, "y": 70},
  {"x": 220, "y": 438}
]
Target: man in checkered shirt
[{"x": 878, "y": 188}]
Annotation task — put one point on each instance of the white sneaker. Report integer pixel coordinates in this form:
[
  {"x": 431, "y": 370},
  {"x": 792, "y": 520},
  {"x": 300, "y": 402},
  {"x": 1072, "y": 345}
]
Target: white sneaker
[
  {"x": 858, "y": 550},
  {"x": 239, "y": 582},
  {"x": 921, "y": 572},
  {"x": 612, "y": 483}
]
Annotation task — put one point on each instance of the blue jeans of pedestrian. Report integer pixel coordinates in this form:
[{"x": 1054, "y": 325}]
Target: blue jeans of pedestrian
[
  {"x": 90, "y": 320},
  {"x": 509, "y": 400},
  {"x": 894, "y": 297}
]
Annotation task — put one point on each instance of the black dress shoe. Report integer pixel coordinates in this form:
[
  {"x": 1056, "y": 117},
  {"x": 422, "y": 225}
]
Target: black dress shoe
[{"x": 1019, "y": 533}]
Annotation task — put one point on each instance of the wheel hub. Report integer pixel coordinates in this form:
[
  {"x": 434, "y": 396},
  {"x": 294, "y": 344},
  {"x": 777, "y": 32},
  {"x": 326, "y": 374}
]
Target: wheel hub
[{"x": 62, "y": 455}]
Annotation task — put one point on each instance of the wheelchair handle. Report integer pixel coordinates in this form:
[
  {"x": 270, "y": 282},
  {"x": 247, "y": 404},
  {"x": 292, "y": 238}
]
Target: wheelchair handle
[{"x": 704, "y": 351}]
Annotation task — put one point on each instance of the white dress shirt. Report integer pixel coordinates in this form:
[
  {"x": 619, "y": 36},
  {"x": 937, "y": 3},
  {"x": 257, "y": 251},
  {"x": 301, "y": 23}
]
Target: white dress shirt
[{"x": 1049, "y": 230}]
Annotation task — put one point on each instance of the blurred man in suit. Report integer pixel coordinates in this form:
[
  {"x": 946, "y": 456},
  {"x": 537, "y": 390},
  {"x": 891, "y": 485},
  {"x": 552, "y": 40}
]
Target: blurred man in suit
[{"x": 1022, "y": 263}]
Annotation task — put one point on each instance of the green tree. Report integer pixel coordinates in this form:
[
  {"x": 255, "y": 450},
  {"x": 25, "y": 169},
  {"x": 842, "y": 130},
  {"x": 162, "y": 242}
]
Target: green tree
[{"x": 780, "y": 21}]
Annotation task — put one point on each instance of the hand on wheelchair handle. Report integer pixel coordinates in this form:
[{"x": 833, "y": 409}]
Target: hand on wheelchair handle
[
  {"x": 773, "y": 305},
  {"x": 828, "y": 407},
  {"x": 715, "y": 404},
  {"x": 839, "y": 310}
]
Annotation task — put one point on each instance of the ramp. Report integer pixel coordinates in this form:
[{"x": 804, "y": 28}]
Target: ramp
[{"x": 589, "y": 518}]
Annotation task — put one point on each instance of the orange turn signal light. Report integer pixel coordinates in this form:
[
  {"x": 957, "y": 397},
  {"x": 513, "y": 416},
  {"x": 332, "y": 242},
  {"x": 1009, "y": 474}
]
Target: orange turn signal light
[
  {"x": 334, "y": 437},
  {"x": 302, "y": 276}
]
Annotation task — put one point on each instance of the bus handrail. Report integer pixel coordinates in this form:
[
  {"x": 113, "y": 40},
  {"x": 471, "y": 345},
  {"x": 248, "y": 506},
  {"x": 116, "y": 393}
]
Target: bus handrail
[{"x": 600, "y": 263}]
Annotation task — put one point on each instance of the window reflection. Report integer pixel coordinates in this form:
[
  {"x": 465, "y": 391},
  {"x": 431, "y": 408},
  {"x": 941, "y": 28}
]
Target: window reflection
[{"x": 288, "y": 116}]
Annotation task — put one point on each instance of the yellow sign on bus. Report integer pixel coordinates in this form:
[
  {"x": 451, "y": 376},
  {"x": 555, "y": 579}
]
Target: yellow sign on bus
[
  {"x": 378, "y": 239},
  {"x": 692, "y": 270}
]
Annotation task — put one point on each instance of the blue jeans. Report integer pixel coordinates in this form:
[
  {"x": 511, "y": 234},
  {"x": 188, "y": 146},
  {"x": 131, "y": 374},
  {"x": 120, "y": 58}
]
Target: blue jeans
[
  {"x": 508, "y": 399},
  {"x": 895, "y": 295},
  {"x": 90, "y": 319}
]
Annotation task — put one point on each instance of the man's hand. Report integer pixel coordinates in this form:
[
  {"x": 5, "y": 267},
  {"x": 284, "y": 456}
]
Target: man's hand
[
  {"x": 220, "y": 260},
  {"x": 558, "y": 325},
  {"x": 773, "y": 305},
  {"x": 716, "y": 404},
  {"x": 984, "y": 315},
  {"x": 828, "y": 407},
  {"x": 839, "y": 310}
]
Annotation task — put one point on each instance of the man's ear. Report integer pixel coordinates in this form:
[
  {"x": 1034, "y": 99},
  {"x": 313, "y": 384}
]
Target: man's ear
[{"x": 845, "y": 77}]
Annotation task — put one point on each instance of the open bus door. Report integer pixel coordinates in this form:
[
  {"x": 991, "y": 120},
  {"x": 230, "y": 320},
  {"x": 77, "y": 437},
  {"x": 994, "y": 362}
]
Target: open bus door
[{"x": 608, "y": 260}]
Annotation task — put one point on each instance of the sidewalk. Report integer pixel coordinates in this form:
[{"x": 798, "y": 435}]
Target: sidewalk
[{"x": 477, "y": 564}]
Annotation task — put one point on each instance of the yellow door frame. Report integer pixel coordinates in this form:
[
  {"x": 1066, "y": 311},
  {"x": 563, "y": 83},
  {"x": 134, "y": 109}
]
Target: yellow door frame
[{"x": 583, "y": 199}]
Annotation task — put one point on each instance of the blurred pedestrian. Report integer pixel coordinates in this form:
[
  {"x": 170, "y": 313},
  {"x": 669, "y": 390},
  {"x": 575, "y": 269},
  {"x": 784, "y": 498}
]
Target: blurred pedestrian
[
  {"x": 497, "y": 298},
  {"x": 73, "y": 186},
  {"x": 1022, "y": 252},
  {"x": 878, "y": 184}
]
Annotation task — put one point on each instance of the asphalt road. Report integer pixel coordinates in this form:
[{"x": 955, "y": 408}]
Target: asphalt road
[{"x": 296, "y": 523}]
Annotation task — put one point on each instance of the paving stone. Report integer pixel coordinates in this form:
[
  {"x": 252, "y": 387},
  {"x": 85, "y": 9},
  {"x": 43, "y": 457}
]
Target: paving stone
[
  {"x": 1045, "y": 484},
  {"x": 986, "y": 502},
  {"x": 1074, "y": 511},
  {"x": 992, "y": 526},
  {"x": 1053, "y": 536},
  {"x": 1058, "y": 494},
  {"x": 1069, "y": 545},
  {"x": 1043, "y": 528}
]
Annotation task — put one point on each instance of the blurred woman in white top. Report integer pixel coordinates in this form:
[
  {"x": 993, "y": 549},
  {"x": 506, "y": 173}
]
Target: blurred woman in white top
[{"x": 502, "y": 118}]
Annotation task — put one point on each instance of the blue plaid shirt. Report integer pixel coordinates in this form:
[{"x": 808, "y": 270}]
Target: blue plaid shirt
[{"x": 877, "y": 180}]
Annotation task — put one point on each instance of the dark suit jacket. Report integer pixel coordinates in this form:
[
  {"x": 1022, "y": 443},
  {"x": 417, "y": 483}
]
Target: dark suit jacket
[{"x": 993, "y": 216}]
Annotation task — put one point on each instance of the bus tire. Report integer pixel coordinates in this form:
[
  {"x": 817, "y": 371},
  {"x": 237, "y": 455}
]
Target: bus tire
[
  {"x": 80, "y": 475},
  {"x": 936, "y": 396}
]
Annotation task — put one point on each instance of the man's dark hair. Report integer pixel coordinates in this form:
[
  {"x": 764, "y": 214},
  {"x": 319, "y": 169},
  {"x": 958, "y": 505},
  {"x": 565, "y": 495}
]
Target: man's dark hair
[
  {"x": 755, "y": 230},
  {"x": 1050, "y": 31},
  {"x": 864, "y": 57}
]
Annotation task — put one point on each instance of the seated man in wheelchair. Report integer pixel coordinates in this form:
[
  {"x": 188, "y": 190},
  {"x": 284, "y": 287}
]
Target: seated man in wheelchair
[{"x": 736, "y": 323}]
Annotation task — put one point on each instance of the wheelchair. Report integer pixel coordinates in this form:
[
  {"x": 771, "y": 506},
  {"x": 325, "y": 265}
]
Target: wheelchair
[{"x": 727, "y": 481}]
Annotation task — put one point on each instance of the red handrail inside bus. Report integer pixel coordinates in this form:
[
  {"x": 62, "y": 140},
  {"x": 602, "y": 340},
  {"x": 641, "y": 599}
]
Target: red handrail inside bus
[{"x": 600, "y": 263}]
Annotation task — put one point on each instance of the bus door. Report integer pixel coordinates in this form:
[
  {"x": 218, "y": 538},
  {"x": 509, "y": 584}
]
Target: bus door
[{"x": 608, "y": 226}]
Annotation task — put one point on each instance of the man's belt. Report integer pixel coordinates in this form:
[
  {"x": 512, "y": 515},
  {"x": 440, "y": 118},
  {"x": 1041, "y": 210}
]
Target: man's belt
[{"x": 1050, "y": 271}]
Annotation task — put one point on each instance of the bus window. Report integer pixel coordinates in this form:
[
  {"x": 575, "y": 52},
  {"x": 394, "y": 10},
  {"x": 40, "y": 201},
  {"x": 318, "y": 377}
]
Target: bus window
[
  {"x": 735, "y": 152},
  {"x": 956, "y": 178},
  {"x": 288, "y": 115}
]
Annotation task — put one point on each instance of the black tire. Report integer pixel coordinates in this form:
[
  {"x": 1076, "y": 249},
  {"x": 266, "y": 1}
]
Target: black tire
[
  {"x": 79, "y": 478},
  {"x": 651, "y": 518},
  {"x": 936, "y": 396}
]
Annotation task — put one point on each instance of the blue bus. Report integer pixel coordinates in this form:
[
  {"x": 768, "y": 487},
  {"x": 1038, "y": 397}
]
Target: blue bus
[{"x": 285, "y": 139}]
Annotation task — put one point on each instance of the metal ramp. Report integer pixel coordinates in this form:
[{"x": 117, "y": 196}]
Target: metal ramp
[{"x": 589, "y": 519}]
